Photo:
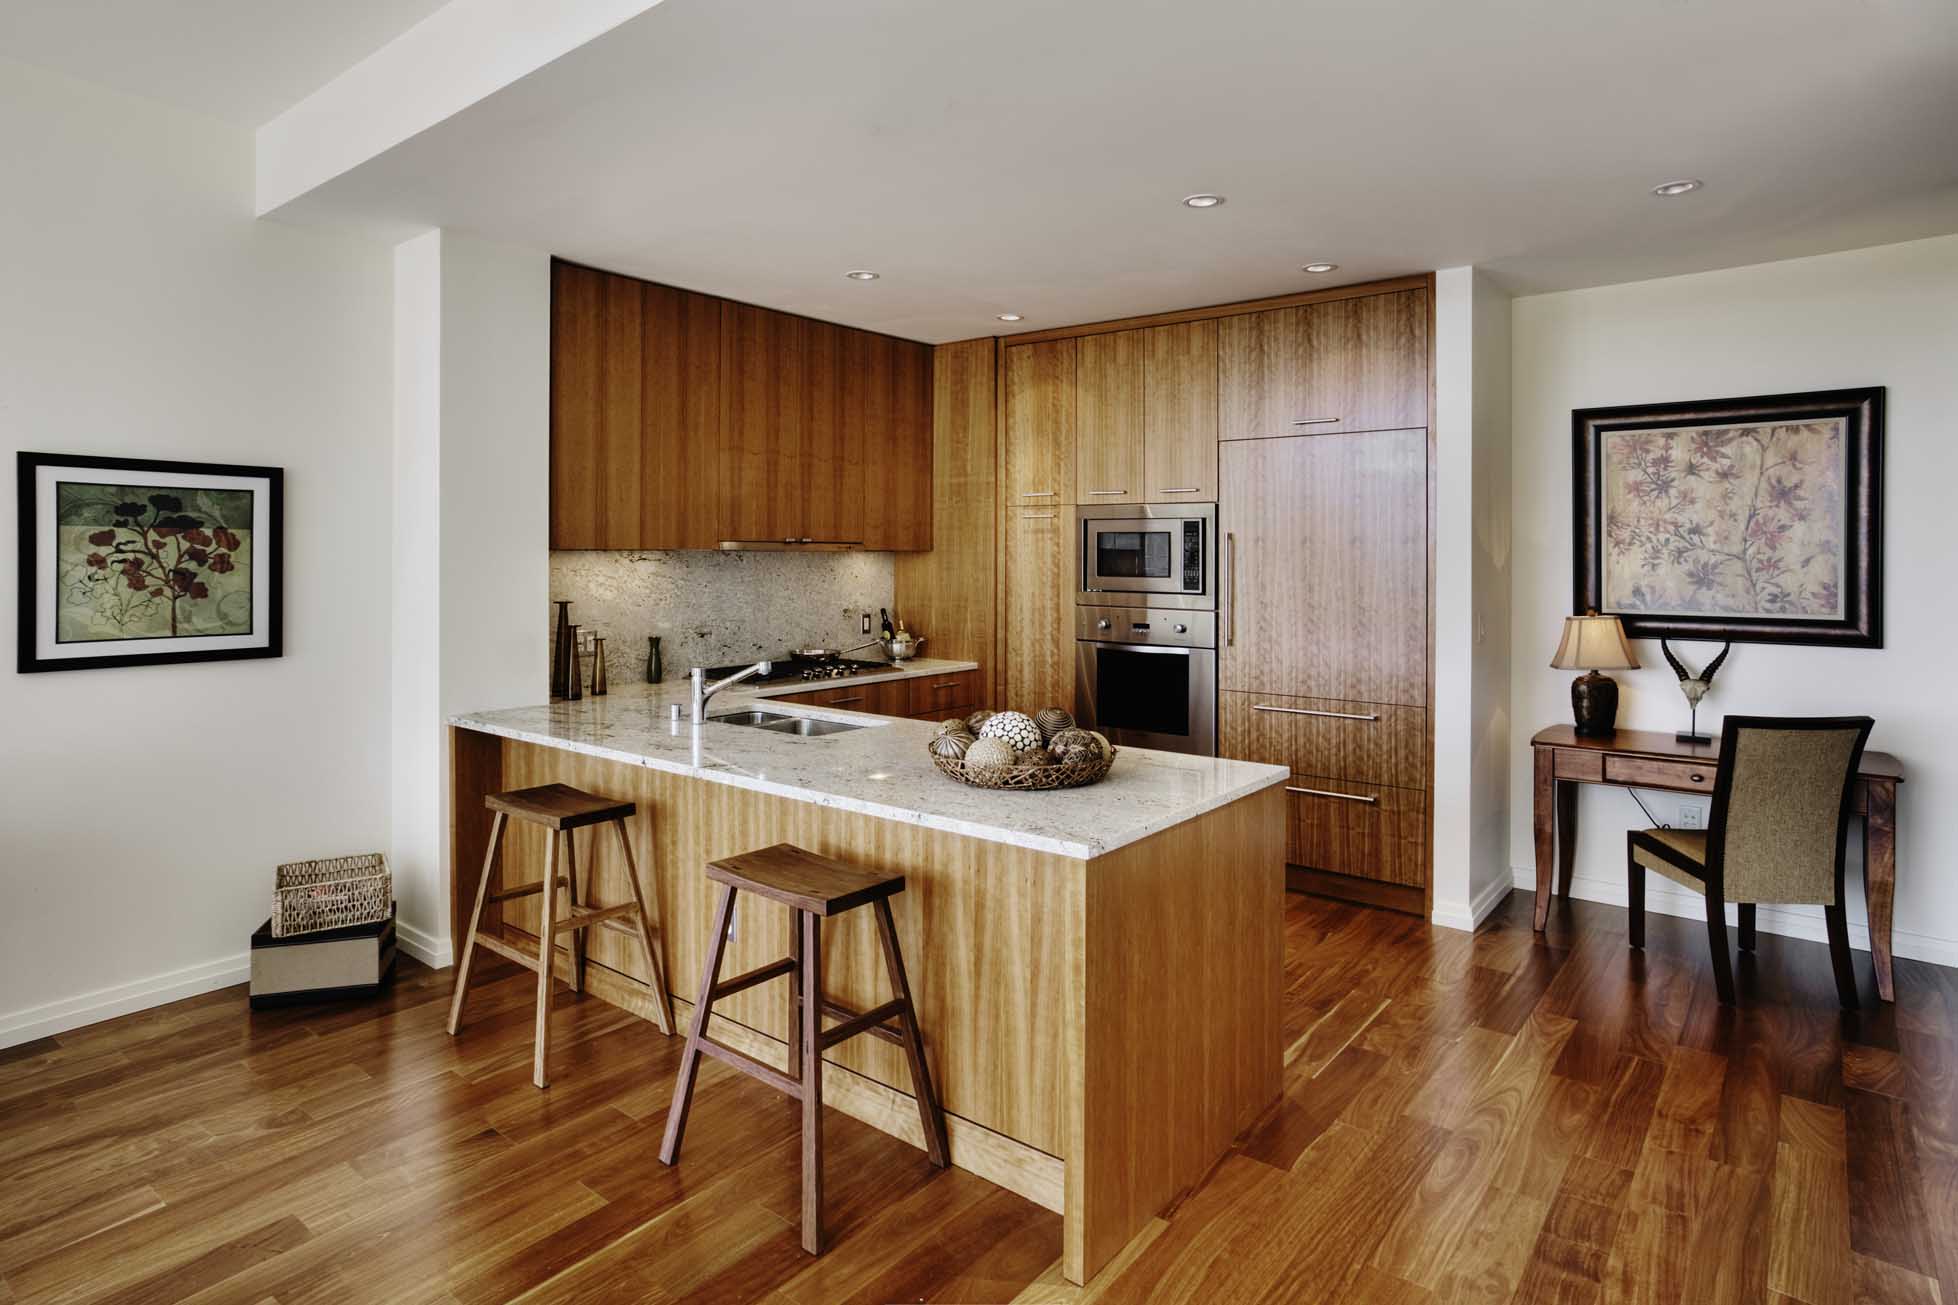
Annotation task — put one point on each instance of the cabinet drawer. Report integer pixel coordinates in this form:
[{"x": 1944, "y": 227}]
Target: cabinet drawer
[
  {"x": 1579, "y": 764},
  {"x": 956, "y": 690},
  {"x": 1368, "y": 831},
  {"x": 1367, "y": 742},
  {"x": 889, "y": 698},
  {"x": 1691, "y": 775}
]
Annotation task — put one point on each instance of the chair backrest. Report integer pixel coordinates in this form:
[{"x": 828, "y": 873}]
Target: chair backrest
[{"x": 1780, "y": 814}]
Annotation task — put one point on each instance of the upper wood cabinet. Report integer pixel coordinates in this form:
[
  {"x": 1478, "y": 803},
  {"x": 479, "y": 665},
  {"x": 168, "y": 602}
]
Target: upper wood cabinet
[
  {"x": 679, "y": 420},
  {"x": 1179, "y": 411},
  {"x": 1337, "y": 365},
  {"x": 1108, "y": 408},
  {"x": 1040, "y": 424}
]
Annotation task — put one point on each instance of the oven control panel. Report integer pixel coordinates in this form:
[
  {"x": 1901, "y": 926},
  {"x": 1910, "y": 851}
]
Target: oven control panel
[{"x": 1167, "y": 627}]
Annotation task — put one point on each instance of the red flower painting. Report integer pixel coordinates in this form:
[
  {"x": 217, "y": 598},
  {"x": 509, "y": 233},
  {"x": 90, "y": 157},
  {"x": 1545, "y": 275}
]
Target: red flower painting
[{"x": 152, "y": 570}]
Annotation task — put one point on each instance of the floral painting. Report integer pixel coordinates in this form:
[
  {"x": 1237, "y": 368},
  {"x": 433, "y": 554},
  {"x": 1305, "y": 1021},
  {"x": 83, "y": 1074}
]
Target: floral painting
[
  {"x": 141, "y": 562},
  {"x": 1730, "y": 520}
]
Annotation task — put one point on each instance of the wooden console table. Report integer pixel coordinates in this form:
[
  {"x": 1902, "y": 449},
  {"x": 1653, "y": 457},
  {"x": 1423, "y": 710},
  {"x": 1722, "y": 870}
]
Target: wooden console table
[{"x": 1648, "y": 759}]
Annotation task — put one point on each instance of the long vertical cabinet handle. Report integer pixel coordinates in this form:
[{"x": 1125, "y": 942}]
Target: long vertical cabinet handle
[{"x": 1230, "y": 589}]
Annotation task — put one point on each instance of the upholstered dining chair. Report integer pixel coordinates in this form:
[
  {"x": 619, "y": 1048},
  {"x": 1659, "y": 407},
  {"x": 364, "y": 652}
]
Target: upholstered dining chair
[{"x": 1776, "y": 833}]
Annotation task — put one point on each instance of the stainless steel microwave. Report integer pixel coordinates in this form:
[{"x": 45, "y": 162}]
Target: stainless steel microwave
[{"x": 1149, "y": 556}]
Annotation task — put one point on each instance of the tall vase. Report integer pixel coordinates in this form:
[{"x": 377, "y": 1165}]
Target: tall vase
[
  {"x": 561, "y": 655},
  {"x": 598, "y": 666},
  {"x": 577, "y": 685},
  {"x": 655, "y": 665}
]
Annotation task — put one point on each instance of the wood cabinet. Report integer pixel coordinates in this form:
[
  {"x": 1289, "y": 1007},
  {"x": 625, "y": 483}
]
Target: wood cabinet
[
  {"x": 679, "y": 420},
  {"x": 1368, "y": 742},
  {"x": 1040, "y": 424},
  {"x": 1108, "y": 408},
  {"x": 1338, "y": 365},
  {"x": 884, "y": 698},
  {"x": 936, "y": 697},
  {"x": 1037, "y": 623},
  {"x": 1324, "y": 572},
  {"x": 1179, "y": 413}
]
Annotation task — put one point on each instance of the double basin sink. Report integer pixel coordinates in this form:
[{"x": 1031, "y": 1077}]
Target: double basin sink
[{"x": 780, "y": 723}]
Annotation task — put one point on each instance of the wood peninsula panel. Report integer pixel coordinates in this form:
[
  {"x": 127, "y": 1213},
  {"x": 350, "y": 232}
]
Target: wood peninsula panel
[
  {"x": 761, "y": 488},
  {"x": 948, "y": 593},
  {"x": 1108, "y": 429},
  {"x": 1040, "y": 425},
  {"x": 1037, "y": 627},
  {"x": 596, "y": 334},
  {"x": 1371, "y": 742},
  {"x": 1179, "y": 411},
  {"x": 1367, "y": 831},
  {"x": 681, "y": 420}
]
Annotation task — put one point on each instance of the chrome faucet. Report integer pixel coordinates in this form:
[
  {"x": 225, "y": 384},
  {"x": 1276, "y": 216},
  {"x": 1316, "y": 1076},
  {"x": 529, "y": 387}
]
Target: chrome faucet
[{"x": 703, "y": 689}]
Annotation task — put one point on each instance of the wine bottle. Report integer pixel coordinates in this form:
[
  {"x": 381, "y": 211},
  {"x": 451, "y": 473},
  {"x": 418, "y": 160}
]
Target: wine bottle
[{"x": 885, "y": 618}]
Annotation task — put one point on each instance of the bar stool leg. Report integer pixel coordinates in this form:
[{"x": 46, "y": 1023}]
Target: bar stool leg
[
  {"x": 476, "y": 922},
  {"x": 577, "y": 939},
  {"x": 676, "y": 1114},
  {"x": 546, "y": 960},
  {"x": 930, "y": 1114},
  {"x": 655, "y": 956},
  {"x": 795, "y": 995},
  {"x": 812, "y": 1082}
]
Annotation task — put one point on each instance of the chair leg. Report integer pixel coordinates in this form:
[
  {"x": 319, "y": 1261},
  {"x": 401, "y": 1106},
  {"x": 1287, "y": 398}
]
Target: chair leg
[
  {"x": 648, "y": 925},
  {"x": 546, "y": 954},
  {"x": 1716, "y": 935},
  {"x": 812, "y": 1082},
  {"x": 577, "y": 938},
  {"x": 931, "y": 1116},
  {"x": 1838, "y": 922},
  {"x": 1747, "y": 926},
  {"x": 676, "y": 1114},
  {"x": 475, "y": 923},
  {"x": 1634, "y": 901},
  {"x": 795, "y": 995}
]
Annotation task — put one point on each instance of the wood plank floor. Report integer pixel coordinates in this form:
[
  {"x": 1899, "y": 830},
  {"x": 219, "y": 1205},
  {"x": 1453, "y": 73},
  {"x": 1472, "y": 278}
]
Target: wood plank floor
[{"x": 1492, "y": 1117}]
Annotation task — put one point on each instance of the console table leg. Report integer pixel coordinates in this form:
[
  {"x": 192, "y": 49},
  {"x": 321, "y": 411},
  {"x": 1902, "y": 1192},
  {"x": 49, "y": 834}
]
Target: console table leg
[
  {"x": 1566, "y": 834},
  {"x": 1544, "y": 810},
  {"x": 1880, "y": 877}
]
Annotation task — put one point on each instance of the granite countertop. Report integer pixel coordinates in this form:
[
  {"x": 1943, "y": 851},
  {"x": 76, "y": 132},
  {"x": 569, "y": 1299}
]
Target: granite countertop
[{"x": 882, "y": 770}]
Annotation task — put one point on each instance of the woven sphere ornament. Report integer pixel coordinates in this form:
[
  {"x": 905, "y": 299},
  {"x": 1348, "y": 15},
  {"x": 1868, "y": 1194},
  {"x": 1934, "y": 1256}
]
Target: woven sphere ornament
[
  {"x": 1034, "y": 757},
  {"x": 1014, "y": 727},
  {"x": 1101, "y": 742},
  {"x": 1080, "y": 754},
  {"x": 956, "y": 725},
  {"x": 954, "y": 746},
  {"x": 1062, "y": 740},
  {"x": 1052, "y": 720},
  {"x": 989, "y": 753},
  {"x": 978, "y": 719}
]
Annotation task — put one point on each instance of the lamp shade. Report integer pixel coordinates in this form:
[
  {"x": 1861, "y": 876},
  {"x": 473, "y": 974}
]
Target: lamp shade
[{"x": 1593, "y": 643}]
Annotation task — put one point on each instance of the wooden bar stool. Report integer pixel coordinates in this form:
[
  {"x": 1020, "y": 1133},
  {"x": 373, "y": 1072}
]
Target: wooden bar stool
[
  {"x": 562, "y": 810},
  {"x": 812, "y": 887}
]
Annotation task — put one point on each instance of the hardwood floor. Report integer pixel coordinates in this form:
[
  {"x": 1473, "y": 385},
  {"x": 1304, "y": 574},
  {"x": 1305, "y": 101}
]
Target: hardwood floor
[{"x": 1467, "y": 1118}]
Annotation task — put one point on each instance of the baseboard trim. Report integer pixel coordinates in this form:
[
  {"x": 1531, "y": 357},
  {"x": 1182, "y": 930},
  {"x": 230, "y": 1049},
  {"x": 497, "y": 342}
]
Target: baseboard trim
[
  {"x": 54, "y": 1017},
  {"x": 1663, "y": 896},
  {"x": 434, "y": 952},
  {"x": 1453, "y": 915}
]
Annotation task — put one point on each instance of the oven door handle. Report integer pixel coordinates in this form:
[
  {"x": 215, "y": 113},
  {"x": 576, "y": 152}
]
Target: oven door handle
[{"x": 1185, "y": 650}]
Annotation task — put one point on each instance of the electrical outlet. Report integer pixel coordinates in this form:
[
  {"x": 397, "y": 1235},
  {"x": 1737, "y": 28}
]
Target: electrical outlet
[
  {"x": 866, "y": 622},
  {"x": 1692, "y": 814}
]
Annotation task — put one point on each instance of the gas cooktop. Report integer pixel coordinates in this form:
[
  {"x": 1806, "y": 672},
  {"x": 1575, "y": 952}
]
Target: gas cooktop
[{"x": 804, "y": 668}]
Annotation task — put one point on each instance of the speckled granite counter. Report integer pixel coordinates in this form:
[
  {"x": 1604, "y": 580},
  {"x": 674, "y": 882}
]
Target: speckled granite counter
[{"x": 881, "y": 770}]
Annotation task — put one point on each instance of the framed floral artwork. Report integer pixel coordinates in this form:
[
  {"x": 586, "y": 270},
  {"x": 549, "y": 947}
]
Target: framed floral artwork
[
  {"x": 135, "y": 562},
  {"x": 1754, "y": 519}
]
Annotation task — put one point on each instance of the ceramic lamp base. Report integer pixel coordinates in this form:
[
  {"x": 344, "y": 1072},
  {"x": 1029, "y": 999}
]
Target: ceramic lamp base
[{"x": 1594, "y": 704}]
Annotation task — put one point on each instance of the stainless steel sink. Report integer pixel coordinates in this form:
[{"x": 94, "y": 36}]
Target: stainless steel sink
[{"x": 779, "y": 723}]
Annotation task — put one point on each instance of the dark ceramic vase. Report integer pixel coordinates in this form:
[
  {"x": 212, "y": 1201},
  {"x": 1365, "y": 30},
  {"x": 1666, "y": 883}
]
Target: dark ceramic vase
[
  {"x": 655, "y": 665},
  {"x": 1594, "y": 704}
]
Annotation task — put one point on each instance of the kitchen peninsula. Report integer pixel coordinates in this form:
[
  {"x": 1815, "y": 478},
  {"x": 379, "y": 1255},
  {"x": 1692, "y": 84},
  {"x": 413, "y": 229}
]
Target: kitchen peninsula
[{"x": 1097, "y": 970}]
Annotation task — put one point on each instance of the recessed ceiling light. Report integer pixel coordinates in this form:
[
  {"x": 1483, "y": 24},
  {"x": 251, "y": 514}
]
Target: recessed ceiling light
[
  {"x": 1009, "y": 317},
  {"x": 1685, "y": 185},
  {"x": 861, "y": 275},
  {"x": 1202, "y": 201},
  {"x": 1320, "y": 267}
]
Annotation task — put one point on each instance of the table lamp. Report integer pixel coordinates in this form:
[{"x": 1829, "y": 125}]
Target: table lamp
[{"x": 1591, "y": 644}]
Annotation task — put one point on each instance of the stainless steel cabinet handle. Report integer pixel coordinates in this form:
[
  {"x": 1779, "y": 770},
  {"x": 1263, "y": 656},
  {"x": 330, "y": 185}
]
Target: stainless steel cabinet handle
[
  {"x": 1036, "y": 516},
  {"x": 838, "y": 702},
  {"x": 1194, "y": 489},
  {"x": 1038, "y": 493},
  {"x": 1106, "y": 492},
  {"x": 1320, "y": 792},
  {"x": 1307, "y": 711},
  {"x": 1315, "y": 421},
  {"x": 946, "y": 684},
  {"x": 1230, "y": 591}
]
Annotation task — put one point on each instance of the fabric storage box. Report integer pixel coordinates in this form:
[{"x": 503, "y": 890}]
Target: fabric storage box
[
  {"x": 356, "y": 961},
  {"x": 332, "y": 893}
]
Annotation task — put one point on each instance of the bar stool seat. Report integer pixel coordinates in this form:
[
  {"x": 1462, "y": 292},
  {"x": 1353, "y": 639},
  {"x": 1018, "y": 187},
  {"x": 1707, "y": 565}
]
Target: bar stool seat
[
  {"x": 562, "y": 810},
  {"x": 813, "y": 888}
]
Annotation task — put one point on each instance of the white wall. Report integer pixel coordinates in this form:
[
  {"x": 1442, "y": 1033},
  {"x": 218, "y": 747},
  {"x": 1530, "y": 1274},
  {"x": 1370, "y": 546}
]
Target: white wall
[
  {"x": 1885, "y": 316},
  {"x": 144, "y": 312},
  {"x": 1471, "y": 604}
]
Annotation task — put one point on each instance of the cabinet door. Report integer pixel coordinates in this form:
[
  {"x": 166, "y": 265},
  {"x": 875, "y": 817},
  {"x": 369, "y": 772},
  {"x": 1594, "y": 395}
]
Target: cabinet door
[
  {"x": 1363, "y": 830},
  {"x": 1108, "y": 418},
  {"x": 832, "y": 439},
  {"x": 1179, "y": 410},
  {"x": 1040, "y": 416},
  {"x": 761, "y": 489},
  {"x": 897, "y": 445},
  {"x": 1325, "y": 567},
  {"x": 1260, "y": 373},
  {"x": 1366, "y": 363},
  {"x": 1038, "y": 619},
  {"x": 680, "y": 429},
  {"x": 596, "y": 324}
]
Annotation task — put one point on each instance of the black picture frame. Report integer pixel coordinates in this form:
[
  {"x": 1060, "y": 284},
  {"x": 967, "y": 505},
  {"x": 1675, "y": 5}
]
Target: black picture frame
[
  {"x": 267, "y": 554},
  {"x": 1861, "y": 409}
]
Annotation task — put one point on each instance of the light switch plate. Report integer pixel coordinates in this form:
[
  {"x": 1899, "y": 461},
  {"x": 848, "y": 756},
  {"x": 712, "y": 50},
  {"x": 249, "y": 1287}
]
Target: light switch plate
[{"x": 866, "y": 622}]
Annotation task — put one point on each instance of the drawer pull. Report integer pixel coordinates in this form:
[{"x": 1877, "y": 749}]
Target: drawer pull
[
  {"x": 838, "y": 702},
  {"x": 1104, "y": 493},
  {"x": 1315, "y": 421},
  {"x": 1320, "y": 792},
  {"x": 1307, "y": 711},
  {"x": 946, "y": 684},
  {"x": 1697, "y": 778},
  {"x": 1192, "y": 490},
  {"x": 1035, "y": 516},
  {"x": 1037, "y": 493}
]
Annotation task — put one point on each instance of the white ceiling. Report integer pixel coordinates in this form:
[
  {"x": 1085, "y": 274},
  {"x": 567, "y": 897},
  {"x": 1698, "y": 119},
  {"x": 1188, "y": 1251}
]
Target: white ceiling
[{"x": 244, "y": 61}]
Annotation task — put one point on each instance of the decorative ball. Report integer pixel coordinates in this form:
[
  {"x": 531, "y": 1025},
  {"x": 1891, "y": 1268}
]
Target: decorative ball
[
  {"x": 954, "y": 726},
  {"x": 1052, "y": 720},
  {"x": 978, "y": 719},
  {"x": 1014, "y": 727},
  {"x": 1081, "y": 754},
  {"x": 1101, "y": 742},
  {"x": 1034, "y": 757},
  {"x": 989, "y": 754},
  {"x": 954, "y": 746},
  {"x": 1070, "y": 738}
]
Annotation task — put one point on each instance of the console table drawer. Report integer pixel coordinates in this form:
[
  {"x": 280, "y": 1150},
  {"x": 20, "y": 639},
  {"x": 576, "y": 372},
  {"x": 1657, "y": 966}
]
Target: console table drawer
[
  {"x": 1580, "y": 764},
  {"x": 1643, "y": 772}
]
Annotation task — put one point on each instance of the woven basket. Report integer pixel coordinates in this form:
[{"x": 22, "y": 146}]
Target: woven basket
[
  {"x": 1027, "y": 779},
  {"x": 331, "y": 894}
]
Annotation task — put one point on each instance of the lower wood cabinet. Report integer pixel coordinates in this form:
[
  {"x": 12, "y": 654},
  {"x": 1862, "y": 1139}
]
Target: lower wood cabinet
[
  {"x": 885, "y": 698},
  {"x": 1037, "y": 625},
  {"x": 939, "y": 697},
  {"x": 1365, "y": 831},
  {"x": 1371, "y": 742}
]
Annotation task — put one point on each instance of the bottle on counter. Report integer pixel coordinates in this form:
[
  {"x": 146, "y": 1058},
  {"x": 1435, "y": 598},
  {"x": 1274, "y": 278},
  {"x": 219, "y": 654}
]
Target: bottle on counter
[
  {"x": 884, "y": 619},
  {"x": 655, "y": 664},
  {"x": 597, "y": 665}
]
